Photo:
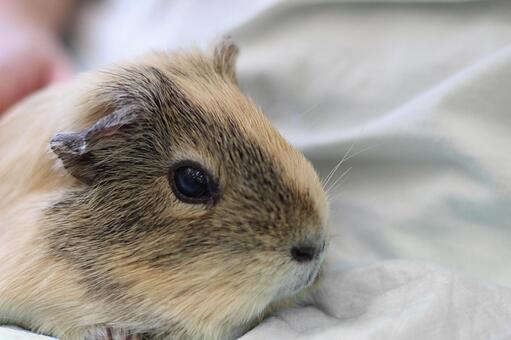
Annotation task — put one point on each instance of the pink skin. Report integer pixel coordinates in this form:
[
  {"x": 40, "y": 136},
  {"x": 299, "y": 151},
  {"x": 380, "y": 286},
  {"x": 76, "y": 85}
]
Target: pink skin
[{"x": 31, "y": 57}]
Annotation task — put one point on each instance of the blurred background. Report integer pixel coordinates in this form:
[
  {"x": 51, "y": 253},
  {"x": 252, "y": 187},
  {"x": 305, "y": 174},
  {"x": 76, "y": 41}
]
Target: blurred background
[{"x": 413, "y": 96}]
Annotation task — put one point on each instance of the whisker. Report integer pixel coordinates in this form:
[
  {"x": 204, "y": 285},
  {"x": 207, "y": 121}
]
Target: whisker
[
  {"x": 337, "y": 181},
  {"x": 361, "y": 151},
  {"x": 345, "y": 158},
  {"x": 336, "y": 167},
  {"x": 332, "y": 186}
]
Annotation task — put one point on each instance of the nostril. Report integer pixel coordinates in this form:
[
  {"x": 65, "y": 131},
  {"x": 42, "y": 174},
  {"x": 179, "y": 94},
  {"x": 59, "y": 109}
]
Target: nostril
[{"x": 303, "y": 253}]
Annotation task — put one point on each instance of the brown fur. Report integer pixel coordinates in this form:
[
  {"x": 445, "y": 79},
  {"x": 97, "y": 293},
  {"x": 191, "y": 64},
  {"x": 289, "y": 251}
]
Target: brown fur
[{"x": 100, "y": 241}]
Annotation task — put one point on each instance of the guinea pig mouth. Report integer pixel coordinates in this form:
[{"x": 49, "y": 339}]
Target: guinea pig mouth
[
  {"x": 312, "y": 276},
  {"x": 301, "y": 279}
]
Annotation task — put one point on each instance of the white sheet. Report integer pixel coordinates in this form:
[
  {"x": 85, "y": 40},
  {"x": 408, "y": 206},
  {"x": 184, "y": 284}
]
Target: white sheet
[
  {"x": 422, "y": 89},
  {"x": 395, "y": 300}
]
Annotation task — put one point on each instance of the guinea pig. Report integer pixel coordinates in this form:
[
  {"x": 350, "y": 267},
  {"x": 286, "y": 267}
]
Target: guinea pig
[{"x": 153, "y": 199}]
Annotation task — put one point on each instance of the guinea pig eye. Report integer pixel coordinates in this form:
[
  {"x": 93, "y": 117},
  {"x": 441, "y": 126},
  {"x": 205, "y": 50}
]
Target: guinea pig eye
[{"x": 191, "y": 184}]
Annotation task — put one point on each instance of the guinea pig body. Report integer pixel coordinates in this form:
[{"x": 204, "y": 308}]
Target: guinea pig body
[{"x": 155, "y": 199}]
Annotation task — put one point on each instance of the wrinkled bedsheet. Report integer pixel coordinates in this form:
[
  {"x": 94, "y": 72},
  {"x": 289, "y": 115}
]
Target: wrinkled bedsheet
[
  {"x": 396, "y": 300},
  {"x": 416, "y": 97}
]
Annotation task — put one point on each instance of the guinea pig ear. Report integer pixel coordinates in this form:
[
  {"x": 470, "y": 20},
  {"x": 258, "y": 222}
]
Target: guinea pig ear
[
  {"x": 75, "y": 149},
  {"x": 224, "y": 58}
]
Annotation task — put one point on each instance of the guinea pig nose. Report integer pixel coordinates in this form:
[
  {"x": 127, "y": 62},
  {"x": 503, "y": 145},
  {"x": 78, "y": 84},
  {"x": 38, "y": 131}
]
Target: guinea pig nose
[{"x": 305, "y": 252}]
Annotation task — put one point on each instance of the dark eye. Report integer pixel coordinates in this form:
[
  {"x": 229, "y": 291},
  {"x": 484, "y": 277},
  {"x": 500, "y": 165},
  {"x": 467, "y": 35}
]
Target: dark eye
[{"x": 191, "y": 184}]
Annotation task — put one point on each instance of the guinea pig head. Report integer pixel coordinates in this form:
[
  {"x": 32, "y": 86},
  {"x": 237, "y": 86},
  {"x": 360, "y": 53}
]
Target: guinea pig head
[{"x": 190, "y": 214}]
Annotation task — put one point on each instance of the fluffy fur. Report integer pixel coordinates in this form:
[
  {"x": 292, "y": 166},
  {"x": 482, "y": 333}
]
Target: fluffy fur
[{"x": 95, "y": 243}]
